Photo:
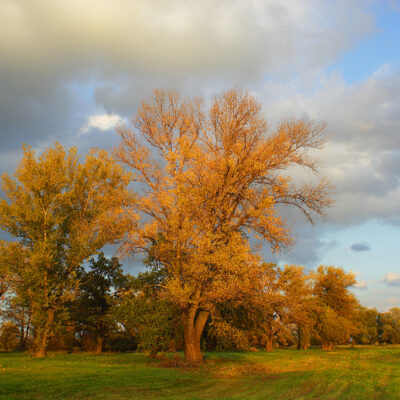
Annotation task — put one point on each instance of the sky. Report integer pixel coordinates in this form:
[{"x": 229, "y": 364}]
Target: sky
[{"x": 71, "y": 70}]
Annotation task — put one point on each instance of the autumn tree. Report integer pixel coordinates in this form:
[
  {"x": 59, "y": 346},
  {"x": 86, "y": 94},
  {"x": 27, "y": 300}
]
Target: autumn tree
[
  {"x": 336, "y": 305},
  {"x": 391, "y": 326},
  {"x": 367, "y": 326},
  {"x": 205, "y": 178},
  {"x": 298, "y": 303},
  {"x": 281, "y": 301},
  {"x": 60, "y": 210}
]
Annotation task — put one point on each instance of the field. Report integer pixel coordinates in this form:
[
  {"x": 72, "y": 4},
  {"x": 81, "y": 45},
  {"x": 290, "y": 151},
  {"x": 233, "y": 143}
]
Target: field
[{"x": 347, "y": 373}]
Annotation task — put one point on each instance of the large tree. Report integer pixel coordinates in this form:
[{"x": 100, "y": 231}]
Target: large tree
[
  {"x": 60, "y": 210},
  {"x": 205, "y": 179}
]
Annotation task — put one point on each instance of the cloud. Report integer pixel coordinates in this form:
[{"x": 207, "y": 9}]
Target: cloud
[
  {"x": 358, "y": 247},
  {"x": 392, "y": 279},
  {"x": 70, "y": 67},
  {"x": 361, "y": 157},
  {"x": 103, "y": 122},
  {"x": 360, "y": 285},
  {"x": 56, "y": 58}
]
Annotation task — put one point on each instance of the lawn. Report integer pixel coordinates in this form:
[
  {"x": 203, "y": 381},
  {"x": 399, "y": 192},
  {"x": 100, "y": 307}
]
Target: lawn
[{"x": 346, "y": 373}]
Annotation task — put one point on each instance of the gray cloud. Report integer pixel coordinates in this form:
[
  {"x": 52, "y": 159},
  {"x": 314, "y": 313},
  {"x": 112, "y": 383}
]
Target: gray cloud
[
  {"x": 53, "y": 55},
  {"x": 358, "y": 247},
  {"x": 61, "y": 62}
]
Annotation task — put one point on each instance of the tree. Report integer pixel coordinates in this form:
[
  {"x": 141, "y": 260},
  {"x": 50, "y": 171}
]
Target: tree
[
  {"x": 60, "y": 210},
  {"x": 97, "y": 289},
  {"x": 336, "y": 306},
  {"x": 205, "y": 178},
  {"x": 367, "y": 326},
  {"x": 146, "y": 313},
  {"x": 299, "y": 304},
  {"x": 332, "y": 328},
  {"x": 282, "y": 300},
  {"x": 391, "y": 326}
]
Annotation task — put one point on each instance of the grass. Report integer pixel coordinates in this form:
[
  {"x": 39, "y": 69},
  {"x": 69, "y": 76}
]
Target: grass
[{"x": 346, "y": 373}]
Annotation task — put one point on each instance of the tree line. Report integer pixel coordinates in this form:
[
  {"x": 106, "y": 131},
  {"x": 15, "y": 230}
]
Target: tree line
[
  {"x": 114, "y": 311},
  {"x": 194, "y": 191}
]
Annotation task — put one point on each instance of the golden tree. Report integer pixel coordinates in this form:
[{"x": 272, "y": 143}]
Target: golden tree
[
  {"x": 336, "y": 306},
  {"x": 205, "y": 178},
  {"x": 61, "y": 210}
]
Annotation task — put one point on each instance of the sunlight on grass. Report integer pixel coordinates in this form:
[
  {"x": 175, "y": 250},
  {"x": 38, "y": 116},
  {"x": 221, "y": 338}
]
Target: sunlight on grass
[{"x": 359, "y": 373}]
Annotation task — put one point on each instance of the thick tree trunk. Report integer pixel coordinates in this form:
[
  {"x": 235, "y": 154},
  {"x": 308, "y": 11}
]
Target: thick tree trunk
[
  {"x": 41, "y": 346},
  {"x": 99, "y": 344},
  {"x": 43, "y": 336},
  {"x": 269, "y": 344},
  {"x": 193, "y": 325}
]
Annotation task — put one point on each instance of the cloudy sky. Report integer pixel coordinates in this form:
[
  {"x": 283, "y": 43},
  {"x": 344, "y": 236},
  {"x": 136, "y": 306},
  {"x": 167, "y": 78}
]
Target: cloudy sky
[{"x": 71, "y": 70}]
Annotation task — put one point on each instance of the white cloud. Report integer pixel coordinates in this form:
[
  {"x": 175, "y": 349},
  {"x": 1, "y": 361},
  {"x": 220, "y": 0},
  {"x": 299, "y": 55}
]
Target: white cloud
[
  {"x": 392, "y": 278},
  {"x": 104, "y": 122},
  {"x": 360, "y": 285}
]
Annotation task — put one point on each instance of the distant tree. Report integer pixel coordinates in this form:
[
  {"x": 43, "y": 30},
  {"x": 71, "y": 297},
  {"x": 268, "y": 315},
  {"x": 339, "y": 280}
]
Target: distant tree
[
  {"x": 391, "y": 326},
  {"x": 60, "y": 210},
  {"x": 299, "y": 305},
  {"x": 98, "y": 288},
  {"x": 336, "y": 305},
  {"x": 17, "y": 311},
  {"x": 285, "y": 300},
  {"x": 9, "y": 336},
  {"x": 146, "y": 313},
  {"x": 204, "y": 179},
  {"x": 367, "y": 321},
  {"x": 332, "y": 328},
  {"x": 267, "y": 313}
]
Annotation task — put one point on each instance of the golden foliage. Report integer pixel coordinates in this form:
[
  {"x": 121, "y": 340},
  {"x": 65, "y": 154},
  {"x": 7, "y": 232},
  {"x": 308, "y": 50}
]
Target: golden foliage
[{"x": 206, "y": 178}]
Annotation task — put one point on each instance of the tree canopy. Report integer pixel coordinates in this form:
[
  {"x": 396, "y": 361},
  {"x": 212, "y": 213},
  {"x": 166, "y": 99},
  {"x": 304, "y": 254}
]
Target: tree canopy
[
  {"x": 205, "y": 179},
  {"x": 60, "y": 210}
]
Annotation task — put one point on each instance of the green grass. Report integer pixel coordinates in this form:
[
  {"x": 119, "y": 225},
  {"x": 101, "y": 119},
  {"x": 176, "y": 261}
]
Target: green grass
[{"x": 358, "y": 373}]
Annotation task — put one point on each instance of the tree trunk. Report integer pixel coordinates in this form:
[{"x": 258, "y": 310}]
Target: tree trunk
[
  {"x": 193, "y": 325},
  {"x": 269, "y": 344},
  {"x": 327, "y": 346},
  {"x": 99, "y": 344},
  {"x": 299, "y": 338},
  {"x": 22, "y": 338},
  {"x": 43, "y": 336}
]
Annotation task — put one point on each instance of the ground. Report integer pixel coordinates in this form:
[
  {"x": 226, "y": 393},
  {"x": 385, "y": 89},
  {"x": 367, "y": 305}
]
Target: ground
[{"x": 346, "y": 373}]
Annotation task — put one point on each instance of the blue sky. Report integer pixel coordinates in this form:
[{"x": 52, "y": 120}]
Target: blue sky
[
  {"x": 379, "y": 48},
  {"x": 70, "y": 71}
]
